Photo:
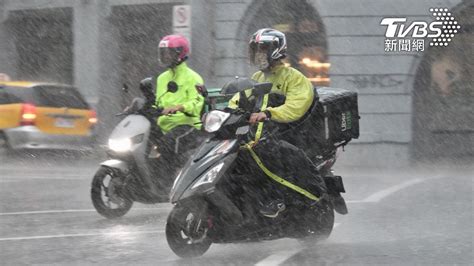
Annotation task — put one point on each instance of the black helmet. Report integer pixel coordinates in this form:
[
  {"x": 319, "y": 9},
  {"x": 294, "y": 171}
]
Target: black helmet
[{"x": 269, "y": 40}]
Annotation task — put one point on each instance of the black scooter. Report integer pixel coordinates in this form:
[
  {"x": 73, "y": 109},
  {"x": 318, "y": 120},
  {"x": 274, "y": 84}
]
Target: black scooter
[{"x": 207, "y": 212}]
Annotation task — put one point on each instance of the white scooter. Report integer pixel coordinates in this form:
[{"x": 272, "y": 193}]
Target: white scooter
[{"x": 131, "y": 172}]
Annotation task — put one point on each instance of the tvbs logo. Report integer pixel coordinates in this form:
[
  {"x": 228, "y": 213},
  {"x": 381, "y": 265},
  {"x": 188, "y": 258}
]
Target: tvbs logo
[
  {"x": 403, "y": 36},
  {"x": 396, "y": 28}
]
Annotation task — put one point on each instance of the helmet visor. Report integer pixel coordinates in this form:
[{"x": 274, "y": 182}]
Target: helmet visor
[
  {"x": 260, "y": 54},
  {"x": 167, "y": 56}
]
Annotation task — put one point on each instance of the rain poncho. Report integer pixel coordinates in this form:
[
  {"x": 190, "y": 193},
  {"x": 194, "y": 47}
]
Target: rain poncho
[
  {"x": 186, "y": 95},
  {"x": 291, "y": 83},
  {"x": 275, "y": 157}
]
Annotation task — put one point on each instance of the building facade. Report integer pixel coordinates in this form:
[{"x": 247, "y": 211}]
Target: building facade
[{"x": 414, "y": 105}]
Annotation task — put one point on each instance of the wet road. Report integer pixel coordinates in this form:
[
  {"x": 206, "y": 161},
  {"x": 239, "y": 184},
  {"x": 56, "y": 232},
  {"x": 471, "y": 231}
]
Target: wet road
[{"x": 397, "y": 218}]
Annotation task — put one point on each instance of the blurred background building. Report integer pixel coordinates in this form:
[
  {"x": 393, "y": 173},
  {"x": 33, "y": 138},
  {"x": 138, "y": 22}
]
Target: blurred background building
[{"x": 415, "y": 106}]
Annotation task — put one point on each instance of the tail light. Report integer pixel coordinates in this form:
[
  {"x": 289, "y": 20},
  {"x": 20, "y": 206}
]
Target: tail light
[
  {"x": 93, "y": 117},
  {"x": 28, "y": 114}
]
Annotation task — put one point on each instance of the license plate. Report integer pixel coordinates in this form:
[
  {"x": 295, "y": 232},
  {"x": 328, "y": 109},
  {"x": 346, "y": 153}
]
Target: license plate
[{"x": 62, "y": 122}]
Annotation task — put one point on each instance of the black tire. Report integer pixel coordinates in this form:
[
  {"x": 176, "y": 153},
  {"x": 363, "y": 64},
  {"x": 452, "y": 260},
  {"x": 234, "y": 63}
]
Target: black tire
[
  {"x": 320, "y": 221},
  {"x": 180, "y": 240},
  {"x": 101, "y": 198}
]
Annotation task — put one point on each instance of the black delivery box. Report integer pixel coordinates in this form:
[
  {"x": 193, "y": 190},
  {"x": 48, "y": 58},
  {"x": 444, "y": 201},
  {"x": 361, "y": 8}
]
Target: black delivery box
[
  {"x": 337, "y": 117},
  {"x": 332, "y": 123}
]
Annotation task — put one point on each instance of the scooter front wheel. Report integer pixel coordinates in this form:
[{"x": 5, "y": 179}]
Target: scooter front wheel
[
  {"x": 105, "y": 194},
  {"x": 186, "y": 230}
]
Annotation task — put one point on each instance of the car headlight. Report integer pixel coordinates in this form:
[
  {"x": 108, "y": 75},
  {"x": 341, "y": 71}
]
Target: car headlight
[
  {"x": 209, "y": 176},
  {"x": 214, "y": 120},
  {"x": 120, "y": 145}
]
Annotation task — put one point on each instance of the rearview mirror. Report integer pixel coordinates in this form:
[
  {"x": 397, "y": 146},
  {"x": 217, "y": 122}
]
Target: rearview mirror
[
  {"x": 237, "y": 85},
  {"x": 262, "y": 88},
  {"x": 172, "y": 87}
]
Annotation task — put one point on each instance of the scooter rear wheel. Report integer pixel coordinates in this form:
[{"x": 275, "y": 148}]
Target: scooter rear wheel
[
  {"x": 320, "y": 222},
  {"x": 186, "y": 230},
  {"x": 105, "y": 198}
]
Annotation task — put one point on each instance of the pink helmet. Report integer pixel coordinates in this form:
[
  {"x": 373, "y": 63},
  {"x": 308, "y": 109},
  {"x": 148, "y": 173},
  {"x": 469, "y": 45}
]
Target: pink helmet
[{"x": 178, "y": 48}]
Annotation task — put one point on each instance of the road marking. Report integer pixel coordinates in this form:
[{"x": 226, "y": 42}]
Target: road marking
[
  {"x": 44, "y": 177},
  {"x": 277, "y": 258},
  {"x": 81, "y": 235},
  {"x": 376, "y": 197},
  {"x": 354, "y": 201},
  {"x": 80, "y": 210},
  {"x": 9, "y": 180}
]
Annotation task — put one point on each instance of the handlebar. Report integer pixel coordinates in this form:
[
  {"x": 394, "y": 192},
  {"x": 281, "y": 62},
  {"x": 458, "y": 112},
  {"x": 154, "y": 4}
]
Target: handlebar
[
  {"x": 246, "y": 114},
  {"x": 150, "y": 111},
  {"x": 121, "y": 114}
]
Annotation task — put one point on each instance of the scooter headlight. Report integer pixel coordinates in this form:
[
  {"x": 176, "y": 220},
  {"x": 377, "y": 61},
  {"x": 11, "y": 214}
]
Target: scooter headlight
[
  {"x": 176, "y": 179},
  {"x": 209, "y": 176},
  {"x": 214, "y": 120},
  {"x": 120, "y": 145}
]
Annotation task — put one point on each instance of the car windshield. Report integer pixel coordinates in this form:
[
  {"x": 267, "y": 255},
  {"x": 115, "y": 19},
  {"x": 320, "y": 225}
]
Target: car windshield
[
  {"x": 46, "y": 96},
  {"x": 12, "y": 95},
  {"x": 57, "y": 96}
]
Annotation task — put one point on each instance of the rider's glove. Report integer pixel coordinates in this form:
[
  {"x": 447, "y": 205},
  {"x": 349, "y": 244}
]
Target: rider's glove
[
  {"x": 173, "y": 110},
  {"x": 257, "y": 117}
]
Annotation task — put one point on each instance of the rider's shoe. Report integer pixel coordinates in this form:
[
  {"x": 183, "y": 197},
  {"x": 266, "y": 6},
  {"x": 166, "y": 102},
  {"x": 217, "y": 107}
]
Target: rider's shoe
[{"x": 273, "y": 208}]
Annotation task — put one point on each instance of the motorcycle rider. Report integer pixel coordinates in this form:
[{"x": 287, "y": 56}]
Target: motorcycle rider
[
  {"x": 178, "y": 92},
  {"x": 267, "y": 48}
]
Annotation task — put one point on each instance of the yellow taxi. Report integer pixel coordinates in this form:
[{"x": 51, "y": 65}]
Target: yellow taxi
[{"x": 38, "y": 115}]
